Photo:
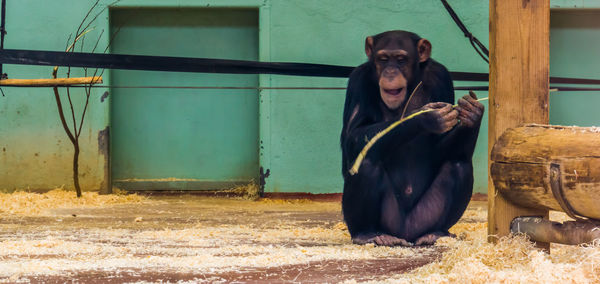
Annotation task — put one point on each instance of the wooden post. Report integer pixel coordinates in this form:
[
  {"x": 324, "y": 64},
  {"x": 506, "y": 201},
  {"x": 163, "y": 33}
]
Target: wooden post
[{"x": 519, "y": 83}]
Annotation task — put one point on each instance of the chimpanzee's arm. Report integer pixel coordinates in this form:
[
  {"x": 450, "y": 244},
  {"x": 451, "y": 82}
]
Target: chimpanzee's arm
[
  {"x": 459, "y": 144},
  {"x": 357, "y": 138},
  {"x": 357, "y": 129}
]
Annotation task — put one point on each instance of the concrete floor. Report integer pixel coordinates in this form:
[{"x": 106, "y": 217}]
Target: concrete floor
[{"x": 197, "y": 239}]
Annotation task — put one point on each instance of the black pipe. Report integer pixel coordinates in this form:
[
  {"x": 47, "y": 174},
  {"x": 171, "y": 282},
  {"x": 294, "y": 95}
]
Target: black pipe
[
  {"x": 2, "y": 33},
  {"x": 210, "y": 65}
]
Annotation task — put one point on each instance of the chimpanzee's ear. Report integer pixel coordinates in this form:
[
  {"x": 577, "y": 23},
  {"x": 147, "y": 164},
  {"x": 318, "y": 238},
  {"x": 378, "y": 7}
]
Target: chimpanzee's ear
[
  {"x": 369, "y": 46},
  {"x": 424, "y": 48}
]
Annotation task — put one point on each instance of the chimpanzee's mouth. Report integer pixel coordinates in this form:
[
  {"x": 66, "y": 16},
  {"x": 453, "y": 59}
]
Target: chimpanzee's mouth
[{"x": 393, "y": 92}]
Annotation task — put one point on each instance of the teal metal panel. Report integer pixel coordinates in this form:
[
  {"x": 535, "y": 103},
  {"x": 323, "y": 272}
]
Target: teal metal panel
[
  {"x": 574, "y": 47},
  {"x": 197, "y": 136}
]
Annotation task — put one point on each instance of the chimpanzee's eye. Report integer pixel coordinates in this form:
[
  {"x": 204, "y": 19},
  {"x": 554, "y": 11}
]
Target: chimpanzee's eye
[{"x": 383, "y": 58}]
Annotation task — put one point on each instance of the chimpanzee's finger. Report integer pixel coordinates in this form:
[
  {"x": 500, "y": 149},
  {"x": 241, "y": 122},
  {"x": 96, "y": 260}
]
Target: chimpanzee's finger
[
  {"x": 474, "y": 116},
  {"x": 466, "y": 101},
  {"x": 451, "y": 115},
  {"x": 471, "y": 105},
  {"x": 472, "y": 98},
  {"x": 449, "y": 120},
  {"x": 451, "y": 125},
  {"x": 444, "y": 110},
  {"x": 472, "y": 111},
  {"x": 461, "y": 111},
  {"x": 462, "y": 102},
  {"x": 472, "y": 94},
  {"x": 436, "y": 105},
  {"x": 467, "y": 120}
]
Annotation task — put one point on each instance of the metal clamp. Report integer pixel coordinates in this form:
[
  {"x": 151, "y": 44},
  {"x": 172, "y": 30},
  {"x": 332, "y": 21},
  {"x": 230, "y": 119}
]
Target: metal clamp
[{"x": 559, "y": 195}]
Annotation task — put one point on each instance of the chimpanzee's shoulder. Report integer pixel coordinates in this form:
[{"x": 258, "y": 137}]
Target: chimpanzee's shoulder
[
  {"x": 361, "y": 80},
  {"x": 437, "y": 70},
  {"x": 438, "y": 82},
  {"x": 362, "y": 70}
]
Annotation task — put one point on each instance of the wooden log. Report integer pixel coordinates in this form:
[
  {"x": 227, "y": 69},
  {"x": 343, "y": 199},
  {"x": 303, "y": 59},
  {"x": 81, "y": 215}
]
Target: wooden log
[
  {"x": 519, "y": 70},
  {"x": 527, "y": 160},
  {"x": 568, "y": 233},
  {"x": 60, "y": 82}
]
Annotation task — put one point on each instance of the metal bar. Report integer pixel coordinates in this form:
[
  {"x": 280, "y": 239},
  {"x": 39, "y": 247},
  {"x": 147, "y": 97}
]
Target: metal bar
[
  {"x": 165, "y": 63},
  {"x": 543, "y": 230},
  {"x": 187, "y": 64},
  {"x": 208, "y": 65}
]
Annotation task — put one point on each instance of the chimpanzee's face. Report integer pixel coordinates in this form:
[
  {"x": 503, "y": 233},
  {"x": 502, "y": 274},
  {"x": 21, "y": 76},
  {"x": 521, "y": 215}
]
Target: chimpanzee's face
[
  {"x": 393, "y": 71},
  {"x": 396, "y": 58}
]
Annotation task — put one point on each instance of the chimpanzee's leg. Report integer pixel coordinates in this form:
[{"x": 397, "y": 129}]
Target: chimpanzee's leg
[
  {"x": 392, "y": 220},
  {"x": 360, "y": 204},
  {"x": 441, "y": 205},
  {"x": 462, "y": 195}
]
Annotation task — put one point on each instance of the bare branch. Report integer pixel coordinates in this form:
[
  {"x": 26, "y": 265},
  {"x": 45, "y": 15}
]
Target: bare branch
[
  {"x": 62, "y": 116},
  {"x": 100, "y": 13},
  {"x": 72, "y": 111},
  {"x": 98, "y": 41},
  {"x": 85, "y": 18},
  {"x": 68, "y": 41},
  {"x": 82, "y": 45},
  {"x": 88, "y": 91}
]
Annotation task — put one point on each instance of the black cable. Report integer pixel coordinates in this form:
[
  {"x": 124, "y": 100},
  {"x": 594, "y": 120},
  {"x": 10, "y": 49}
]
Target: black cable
[
  {"x": 2, "y": 33},
  {"x": 477, "y": 45},
  {"x": 169, "y": 63}
]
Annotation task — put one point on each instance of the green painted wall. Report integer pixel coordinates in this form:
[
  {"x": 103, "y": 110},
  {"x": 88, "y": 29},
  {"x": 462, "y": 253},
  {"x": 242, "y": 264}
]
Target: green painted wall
[
  {"x": 207, "y": 138},
  {"x": 35, "y": 151},
  {"x": 574, "y": 52},
  {"x": 299, "y": 130},
  {"x": 305, "y": 125}
]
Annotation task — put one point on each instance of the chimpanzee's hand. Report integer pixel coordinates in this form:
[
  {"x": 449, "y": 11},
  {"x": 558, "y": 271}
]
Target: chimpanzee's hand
[
  {"x": 470, "y": 110},
  {"x": 441, "y": 119}
]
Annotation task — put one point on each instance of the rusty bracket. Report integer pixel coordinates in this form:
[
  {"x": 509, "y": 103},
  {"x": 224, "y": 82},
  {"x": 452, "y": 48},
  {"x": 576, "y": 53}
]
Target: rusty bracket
[{"x": 558, "y": 192}]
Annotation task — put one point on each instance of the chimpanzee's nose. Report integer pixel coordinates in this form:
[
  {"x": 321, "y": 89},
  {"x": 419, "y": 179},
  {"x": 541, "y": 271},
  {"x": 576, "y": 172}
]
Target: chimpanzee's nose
[{"x": 390, "y": 73}]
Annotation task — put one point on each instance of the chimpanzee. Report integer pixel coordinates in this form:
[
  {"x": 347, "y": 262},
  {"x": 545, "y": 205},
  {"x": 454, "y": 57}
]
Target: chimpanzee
[{"x": 416, "y": 181}]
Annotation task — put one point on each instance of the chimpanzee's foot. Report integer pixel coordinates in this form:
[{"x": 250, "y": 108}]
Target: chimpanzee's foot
[
  {"x": 363, "y": 239},
  {"x": 390, "y": 241},
  {"x": 380, "y": 240},
  {"x": 431, "y": 238}
]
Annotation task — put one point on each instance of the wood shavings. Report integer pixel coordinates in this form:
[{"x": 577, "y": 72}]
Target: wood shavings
[
  {"x": 340, "y": 226},
  {"x": 241, "y": 245},
  {"x": 285, "y": 201},
  {"x": 28, "y": 203},
  {"x": 512, "y": 260},
  {"x": 249, "y": 191}
]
